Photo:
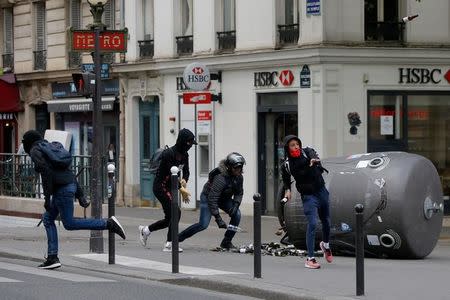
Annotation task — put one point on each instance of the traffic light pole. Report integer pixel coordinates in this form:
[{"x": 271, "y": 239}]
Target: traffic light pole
[{"x": 96, "y": 240}]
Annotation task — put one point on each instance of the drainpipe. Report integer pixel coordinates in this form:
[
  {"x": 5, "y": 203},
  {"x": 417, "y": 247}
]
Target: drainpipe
[{"x": 121, "y": 186}]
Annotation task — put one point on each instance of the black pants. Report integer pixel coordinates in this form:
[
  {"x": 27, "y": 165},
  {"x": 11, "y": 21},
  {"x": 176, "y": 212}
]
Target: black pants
[{"x": 165, "y": 198}]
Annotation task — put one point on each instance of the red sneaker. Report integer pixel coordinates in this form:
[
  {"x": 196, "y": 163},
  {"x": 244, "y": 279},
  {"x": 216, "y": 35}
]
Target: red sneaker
[
  {"x": 326, "y": 252},
  {"x": 312, "y": 264}
]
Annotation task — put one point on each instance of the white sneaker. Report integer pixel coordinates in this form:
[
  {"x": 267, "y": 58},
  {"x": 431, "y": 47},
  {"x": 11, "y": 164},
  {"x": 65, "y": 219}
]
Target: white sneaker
[
  {"x": 142, "y": 236},
  {"x": 168, "y": 247}
]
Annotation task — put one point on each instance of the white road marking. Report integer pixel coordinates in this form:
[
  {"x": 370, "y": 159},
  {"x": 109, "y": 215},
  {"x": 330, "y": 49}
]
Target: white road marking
[
  {"x": 10, "y": 221},
  {"x": 154, "y": 265},
  {"x": 4, "y": 279},
  {"x": 52, "y": 273}
]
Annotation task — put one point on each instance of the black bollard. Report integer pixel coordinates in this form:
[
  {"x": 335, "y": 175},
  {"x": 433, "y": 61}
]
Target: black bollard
[
  {"x": 111, "y": 211},
  {"x": 359, "y": 242},
  {"x": 257, "y": 235},
  {"x": 174, "y": 219}
]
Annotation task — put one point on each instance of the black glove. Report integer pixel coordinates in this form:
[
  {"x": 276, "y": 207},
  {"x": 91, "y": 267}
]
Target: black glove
[
  {"x": 234, "y": 209},
  {"x": 47, "y": 203},
  {"x": 84, "y": 202},
  {"x": 221, "y": 223}
]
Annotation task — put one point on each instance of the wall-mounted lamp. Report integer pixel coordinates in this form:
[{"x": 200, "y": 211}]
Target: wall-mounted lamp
[
  {"x": 365, "y": 78},
  {"x": 354, "y": 120},
  {"x": 172, "y": 120}
]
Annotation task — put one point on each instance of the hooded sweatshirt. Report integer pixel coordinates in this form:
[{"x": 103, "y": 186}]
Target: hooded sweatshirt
[
  {"x": 308, "y": 180},
  {"x": 177, "y": 155}
]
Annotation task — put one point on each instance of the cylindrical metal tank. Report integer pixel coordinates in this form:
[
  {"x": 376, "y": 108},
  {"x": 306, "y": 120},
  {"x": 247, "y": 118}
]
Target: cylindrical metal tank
[{"x": 403, "y": 205}]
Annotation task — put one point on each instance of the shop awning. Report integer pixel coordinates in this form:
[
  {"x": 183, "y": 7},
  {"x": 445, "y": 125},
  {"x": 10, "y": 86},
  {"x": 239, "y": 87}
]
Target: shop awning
[
  {"x": 9, "y": 94},
  {"x": 78, "y": 104}
]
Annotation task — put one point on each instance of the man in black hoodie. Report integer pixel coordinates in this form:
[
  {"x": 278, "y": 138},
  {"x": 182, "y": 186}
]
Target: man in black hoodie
[
  {"x": 177, "y": 155},
  {"x": 304, "y": 165},
  {"x": 59, "y": 187}
]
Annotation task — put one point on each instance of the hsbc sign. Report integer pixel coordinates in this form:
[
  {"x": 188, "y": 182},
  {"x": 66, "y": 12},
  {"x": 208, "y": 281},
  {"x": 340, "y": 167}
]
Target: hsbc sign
[
  {"x": 283, "y": 78},
  {"x": 196, "y": 77}
]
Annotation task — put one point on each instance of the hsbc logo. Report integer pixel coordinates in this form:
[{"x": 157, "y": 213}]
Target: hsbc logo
[
  {"x": 197, "y": 71},
  {"x": 273, "y": 79}
]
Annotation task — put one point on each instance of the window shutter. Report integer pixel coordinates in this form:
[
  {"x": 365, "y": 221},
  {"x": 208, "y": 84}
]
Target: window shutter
[
  {"x": 8, "y": 30},
  {"x": 228, "y": 15},
  {"x": 75, "y": 14},
  {"x": 40, "y": 25},
  {"x": 108, "y": 14},
  {"x": 289, "y": 12}
]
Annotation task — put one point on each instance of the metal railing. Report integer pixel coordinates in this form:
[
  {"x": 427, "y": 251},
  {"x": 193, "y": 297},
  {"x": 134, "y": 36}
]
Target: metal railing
[
  {"x": 18, "y": 178},
  {"x": 8, "y": 61},
  {"x": 146, "y": 48},
  {"x": 185, "y": 44},
  {"x": 74, "y": 59},
  {"x": 40, "y": 60},
  {"x": 288, "y": 33},
  {"x": 227, "y": 40},
  {"x": 384, "y": 31}
]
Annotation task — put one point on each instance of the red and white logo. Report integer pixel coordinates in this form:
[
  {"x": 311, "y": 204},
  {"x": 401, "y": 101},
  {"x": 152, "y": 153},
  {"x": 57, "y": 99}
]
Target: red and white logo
[
  {"x": 286, "y": 77},
  {"x": 197, "y": 70},
  {"x": 447, "y": 76}
]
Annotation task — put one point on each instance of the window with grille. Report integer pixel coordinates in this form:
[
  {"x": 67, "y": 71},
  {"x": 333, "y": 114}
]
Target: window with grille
[
  {"x": 40, "y": 42},
  {"x": 75, "y": 23},
  {"x": 109, "y": 14},
  {"x": 288, "y": 21},
  {"x": 382, "y": 20}
]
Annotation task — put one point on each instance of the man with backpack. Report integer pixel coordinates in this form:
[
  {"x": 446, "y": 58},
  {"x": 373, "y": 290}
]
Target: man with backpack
[
  {"x": 177, "y": 155},
  {"x": 224, "y": 190},
  {"x": 304, "y": 165},
  {"x": 52, "y": 161}
]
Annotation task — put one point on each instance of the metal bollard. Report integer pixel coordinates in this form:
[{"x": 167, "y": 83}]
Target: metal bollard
[
  {"x": 359, "y": 252},
  {"x": 111, "y": 211},
  {"x": 257, "y": 235},
  {"x": 174, "y": 219}
]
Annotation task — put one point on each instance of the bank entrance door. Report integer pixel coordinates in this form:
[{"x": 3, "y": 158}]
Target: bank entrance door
[
  {"x": 149, "y": 137},
  {"x": 277, "y": 117}
]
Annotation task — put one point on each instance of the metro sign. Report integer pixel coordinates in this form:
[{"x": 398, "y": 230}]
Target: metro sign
[{"x": 110, "y": 40}]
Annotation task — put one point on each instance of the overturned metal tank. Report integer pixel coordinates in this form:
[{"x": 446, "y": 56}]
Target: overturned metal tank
[{"x": 403, "y": 205}]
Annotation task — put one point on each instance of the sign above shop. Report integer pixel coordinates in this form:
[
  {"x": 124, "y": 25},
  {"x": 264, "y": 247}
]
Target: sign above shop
[
  {"x": 104, "y": 71},
  {"x": 273, "y": 79},
  {"x": 204, "y": 115},
  {"x": 305, "y": 77},
  {"x": 110, "y": 40},
  {"x": 421, "y": 75},
  {"x": 197, "y": 98},
  {"x": 196, "y": 76}
]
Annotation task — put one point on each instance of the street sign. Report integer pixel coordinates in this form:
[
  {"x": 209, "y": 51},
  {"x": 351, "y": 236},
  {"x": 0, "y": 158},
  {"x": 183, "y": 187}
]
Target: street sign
[
  {"x": 305, "y": 77},
  {"x": 196, "y": 76},
  {"x": 110, "y": 40},
  {"x": 197, "y": 98},
  {"x": 104, "y": 71},
  {"x": 312, "y": 7}
]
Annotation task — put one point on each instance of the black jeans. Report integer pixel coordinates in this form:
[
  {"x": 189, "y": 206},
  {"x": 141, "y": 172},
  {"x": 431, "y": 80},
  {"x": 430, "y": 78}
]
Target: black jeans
[{"x": 165, "y": 198}]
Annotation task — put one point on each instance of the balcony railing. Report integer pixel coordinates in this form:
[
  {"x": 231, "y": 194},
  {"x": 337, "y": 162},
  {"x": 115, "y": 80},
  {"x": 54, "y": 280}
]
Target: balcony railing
[
  {"x": 384, "y": 31},
  {"x": 227, "y": 40},
  {"x": 40, "y": 60},
  {"x": 185, "y": 44},
  {"x": 146, "y": 48},
  {"x": 74, "y": 59},
  {"x": 288, "y": 34},
  {"x": 8, "y": 61}
]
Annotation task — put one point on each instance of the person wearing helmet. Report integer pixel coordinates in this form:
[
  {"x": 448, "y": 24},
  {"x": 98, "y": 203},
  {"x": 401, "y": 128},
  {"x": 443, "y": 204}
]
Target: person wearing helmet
[
  {"x": 304, "y": 165},
  {"x": 224, "y": 190},
  {"x": 177, "y": 155},
  {"x": 60, "y": 187}
]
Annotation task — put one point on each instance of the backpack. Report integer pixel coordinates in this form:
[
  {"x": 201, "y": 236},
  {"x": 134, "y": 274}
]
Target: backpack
[
  {"x": 213, "y": 173},
  {"x": 57, "y": 156},
  {"x": 155, "y": 160}
]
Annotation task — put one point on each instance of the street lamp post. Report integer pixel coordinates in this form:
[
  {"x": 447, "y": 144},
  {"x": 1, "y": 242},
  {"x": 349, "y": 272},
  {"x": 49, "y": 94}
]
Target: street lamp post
[{"x": 96, "y": 240}]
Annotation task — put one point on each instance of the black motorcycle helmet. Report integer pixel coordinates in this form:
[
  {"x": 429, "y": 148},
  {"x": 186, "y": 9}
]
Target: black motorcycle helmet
[{"x": 234, "y": 159}]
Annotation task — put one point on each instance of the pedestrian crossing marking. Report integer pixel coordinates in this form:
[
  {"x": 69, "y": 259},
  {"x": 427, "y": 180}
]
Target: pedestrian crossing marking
[
  {"x": 154, "y": 265},
  {"x": 4, "y": 279},
  {"x": 52, "y": 273},
  {"x": 10, "y": 221}
]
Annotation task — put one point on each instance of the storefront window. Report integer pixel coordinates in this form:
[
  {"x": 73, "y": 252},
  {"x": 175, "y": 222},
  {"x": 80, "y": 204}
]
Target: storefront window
[{"x": 416, "y": 123}]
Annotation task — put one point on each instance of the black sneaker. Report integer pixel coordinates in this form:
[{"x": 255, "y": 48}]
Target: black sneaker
[
  {"x": 115, "y": 227},
  {"x": 50, "y": 263},
  {"x": 228, "y": 245}
]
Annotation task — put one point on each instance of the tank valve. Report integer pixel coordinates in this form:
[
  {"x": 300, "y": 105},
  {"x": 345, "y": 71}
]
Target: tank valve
[{"x": 430, "y": 207}]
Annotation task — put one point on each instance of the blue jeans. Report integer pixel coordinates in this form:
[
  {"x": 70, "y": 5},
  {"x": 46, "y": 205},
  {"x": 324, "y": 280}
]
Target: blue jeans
[
  {"x": 205, "y": 218},
  {"x": 312, "y": 204},
  {"x": 62, "y": 204}
]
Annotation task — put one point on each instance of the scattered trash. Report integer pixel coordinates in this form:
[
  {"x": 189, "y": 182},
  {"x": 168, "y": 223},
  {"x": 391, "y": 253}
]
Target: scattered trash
[{"x": 269, "y": 249}]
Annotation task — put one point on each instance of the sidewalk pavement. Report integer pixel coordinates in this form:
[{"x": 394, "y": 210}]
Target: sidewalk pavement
[{"x": 282, "y": 277}]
